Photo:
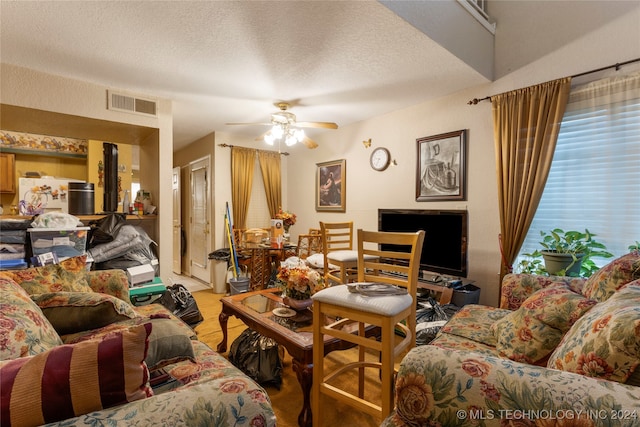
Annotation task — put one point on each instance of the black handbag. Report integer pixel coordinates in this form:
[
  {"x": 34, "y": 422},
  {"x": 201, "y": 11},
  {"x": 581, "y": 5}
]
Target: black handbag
[{"x": 182, "y": 304}]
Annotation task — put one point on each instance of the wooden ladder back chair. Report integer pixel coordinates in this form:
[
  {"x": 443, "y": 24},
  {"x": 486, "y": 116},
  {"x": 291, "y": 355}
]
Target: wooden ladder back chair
[
  {"x": 384, "y": 258},
  {"x": 340, "y": 258},
  {"x": 309, "y": 244}
]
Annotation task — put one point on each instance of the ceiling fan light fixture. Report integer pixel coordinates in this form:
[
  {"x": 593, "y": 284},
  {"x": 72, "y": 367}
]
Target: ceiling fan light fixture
[
  {"x": 290, "y": 140},
  {"x": 269, "y": 139},
  {"x": 277, "y": 131},
  {"x": 285, "y": 128}
]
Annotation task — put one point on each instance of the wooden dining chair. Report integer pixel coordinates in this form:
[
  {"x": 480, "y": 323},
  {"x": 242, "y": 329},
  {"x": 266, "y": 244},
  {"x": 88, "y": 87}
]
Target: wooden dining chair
[
  {"x": 396, "y": 259},
  {"x": 309, "y": 244},
  {"x": 340, "y": 258}
]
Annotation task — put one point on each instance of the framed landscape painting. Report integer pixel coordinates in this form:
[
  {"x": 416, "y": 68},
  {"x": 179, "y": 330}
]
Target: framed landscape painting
[
  {"x": 441, "y": 167},
  {"x": 331, "y": 185}
]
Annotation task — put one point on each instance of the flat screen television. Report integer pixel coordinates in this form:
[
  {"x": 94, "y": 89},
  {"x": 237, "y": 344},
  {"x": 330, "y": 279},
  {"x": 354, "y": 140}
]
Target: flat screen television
[
  {"x": 445, "y": 243},
  {"x": 110, "y": 159}
]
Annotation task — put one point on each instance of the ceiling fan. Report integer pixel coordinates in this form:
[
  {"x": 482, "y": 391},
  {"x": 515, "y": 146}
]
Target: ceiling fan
[{"x": 284, "y": 127}]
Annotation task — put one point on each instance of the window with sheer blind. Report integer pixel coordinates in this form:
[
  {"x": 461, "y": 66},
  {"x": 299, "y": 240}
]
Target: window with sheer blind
[{"x": 594, "y": 181}]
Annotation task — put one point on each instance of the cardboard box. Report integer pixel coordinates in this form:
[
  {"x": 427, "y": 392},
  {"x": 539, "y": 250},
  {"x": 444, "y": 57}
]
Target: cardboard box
[
  {"x": 277, "y": 233},
  {"x": 140, "y": 274}
]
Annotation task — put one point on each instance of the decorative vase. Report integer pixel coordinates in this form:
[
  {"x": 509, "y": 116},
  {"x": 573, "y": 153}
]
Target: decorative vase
[{"x": 297, "y": 304}]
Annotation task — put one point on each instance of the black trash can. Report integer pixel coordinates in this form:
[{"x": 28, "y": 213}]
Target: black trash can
[
  {"x": 467, "y": 294},
  {"x": 81, "y": 198}
]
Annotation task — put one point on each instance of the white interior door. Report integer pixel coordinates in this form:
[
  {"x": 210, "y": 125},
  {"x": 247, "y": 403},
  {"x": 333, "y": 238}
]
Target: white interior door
[
  {"x": 177, "y": 222},
  {"x": 200, "y": 227}
]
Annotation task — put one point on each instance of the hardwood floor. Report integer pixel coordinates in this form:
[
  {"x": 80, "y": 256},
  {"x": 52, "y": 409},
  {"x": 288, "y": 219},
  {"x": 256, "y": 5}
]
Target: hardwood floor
[{"x": 191, "y": 283}]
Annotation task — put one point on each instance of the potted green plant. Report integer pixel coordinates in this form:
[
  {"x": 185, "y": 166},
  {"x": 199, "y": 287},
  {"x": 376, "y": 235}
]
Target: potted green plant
[{"x": 565, "y": 253}]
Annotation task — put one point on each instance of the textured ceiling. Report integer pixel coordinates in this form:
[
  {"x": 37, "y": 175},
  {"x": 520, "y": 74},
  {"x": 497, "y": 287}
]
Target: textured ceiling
[{"x": 229, "y": 61}]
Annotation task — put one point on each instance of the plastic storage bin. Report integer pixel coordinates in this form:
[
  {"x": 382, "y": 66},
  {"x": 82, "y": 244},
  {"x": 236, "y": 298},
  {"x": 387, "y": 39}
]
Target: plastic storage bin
[{"x": 64, "y": 242}]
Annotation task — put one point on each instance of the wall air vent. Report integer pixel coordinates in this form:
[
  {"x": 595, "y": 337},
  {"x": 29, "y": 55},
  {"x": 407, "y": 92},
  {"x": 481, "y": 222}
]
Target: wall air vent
[{"x": 131, "y": 104}]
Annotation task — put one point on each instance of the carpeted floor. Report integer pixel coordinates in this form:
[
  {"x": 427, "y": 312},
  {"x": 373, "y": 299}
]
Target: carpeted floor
[{"x": 287, "y": 401}]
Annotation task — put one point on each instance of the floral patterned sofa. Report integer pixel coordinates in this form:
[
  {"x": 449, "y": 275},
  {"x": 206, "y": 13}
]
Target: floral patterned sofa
[
  {"x": 74, "y": 351},
  {"x": 558, "y": 351}
]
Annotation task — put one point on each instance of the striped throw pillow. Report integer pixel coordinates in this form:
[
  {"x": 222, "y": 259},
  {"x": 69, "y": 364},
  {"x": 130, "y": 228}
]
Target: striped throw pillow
[{"x": 75, "y": 379}]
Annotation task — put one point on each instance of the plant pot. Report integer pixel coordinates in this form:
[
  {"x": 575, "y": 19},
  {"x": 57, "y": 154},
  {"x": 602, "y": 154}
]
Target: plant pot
[
  {"x": 562, "y": 264},
  {"x": 297, "y": 304}
]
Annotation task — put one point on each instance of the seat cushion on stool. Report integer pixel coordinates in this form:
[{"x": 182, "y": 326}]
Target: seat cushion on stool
[
  {"x": 317, "y": 261},
  {"x": 388, "y": 305},
  {"x": 347, "y": 255},
  {"x": 343, "y": 255}
]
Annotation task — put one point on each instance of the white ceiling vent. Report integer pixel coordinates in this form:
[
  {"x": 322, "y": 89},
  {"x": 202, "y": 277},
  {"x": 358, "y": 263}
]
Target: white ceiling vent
[{"x": 131, "y": 104}]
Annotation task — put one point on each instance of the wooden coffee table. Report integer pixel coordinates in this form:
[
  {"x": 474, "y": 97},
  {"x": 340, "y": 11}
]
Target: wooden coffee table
[{"x": 255, "y": 309}]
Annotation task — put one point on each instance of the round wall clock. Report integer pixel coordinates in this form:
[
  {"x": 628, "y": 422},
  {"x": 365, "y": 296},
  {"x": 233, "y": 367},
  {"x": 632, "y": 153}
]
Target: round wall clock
[{"x": 380, "y": 159}]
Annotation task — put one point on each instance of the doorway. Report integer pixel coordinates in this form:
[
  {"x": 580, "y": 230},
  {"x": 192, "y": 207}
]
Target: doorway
[{"x": 199, "y": 227}]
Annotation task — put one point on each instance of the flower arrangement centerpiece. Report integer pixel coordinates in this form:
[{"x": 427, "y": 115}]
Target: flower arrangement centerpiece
[
  {"x": 288, "y": 219},
  {"x": 298, "y": 281}
]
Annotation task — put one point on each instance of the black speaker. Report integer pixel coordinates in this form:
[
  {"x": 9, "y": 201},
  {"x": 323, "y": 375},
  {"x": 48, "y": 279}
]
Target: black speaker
[{"x": 81, "y": 198}]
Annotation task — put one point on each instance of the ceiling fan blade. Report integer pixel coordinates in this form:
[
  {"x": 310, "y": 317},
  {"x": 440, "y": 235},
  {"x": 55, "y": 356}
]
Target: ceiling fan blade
[
  {"x": 249, "y": 124},
  {"x": 261, "y": 137},
  {"x": 326, "y": 125},
  {"x": 310, "y": 143}
]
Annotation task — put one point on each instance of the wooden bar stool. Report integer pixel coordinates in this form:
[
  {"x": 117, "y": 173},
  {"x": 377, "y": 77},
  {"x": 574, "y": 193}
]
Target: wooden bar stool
[
  {"x": 396, "y": 258},
  {"x": 340, "y": 258}
]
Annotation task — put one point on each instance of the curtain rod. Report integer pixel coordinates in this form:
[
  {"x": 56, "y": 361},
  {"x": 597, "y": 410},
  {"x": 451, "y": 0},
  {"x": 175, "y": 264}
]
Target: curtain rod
[
  {"x": 617, "y": 66},
  {"x": 283, "y": 153}
]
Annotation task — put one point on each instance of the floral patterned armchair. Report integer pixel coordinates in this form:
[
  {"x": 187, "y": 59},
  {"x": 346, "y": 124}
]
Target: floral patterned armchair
[{"x": 558, "y": 351}]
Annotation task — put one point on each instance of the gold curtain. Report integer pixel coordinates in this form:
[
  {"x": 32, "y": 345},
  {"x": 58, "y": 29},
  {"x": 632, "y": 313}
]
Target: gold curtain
[
  {"x": 242, "y": 165},
  {"x": 526, "y": 123},
  {"x": 271, "y": 175}
]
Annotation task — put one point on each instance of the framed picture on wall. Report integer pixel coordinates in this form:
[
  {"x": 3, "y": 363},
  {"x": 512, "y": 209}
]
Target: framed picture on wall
[
  {"x": 331, "y": 186},
  {"x": 441, "y": 167}
]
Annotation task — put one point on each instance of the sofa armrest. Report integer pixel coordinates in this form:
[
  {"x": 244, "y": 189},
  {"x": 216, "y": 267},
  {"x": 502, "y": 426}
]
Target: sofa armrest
[
  {"x": 224, "y": 401},
  {"x": 516, "y": 288},
  {"x": 457, "y": 387},
  {"x": 112, "y": 282}
]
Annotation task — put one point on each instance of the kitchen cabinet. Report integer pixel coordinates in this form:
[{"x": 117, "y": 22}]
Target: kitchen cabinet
[{"x": 7, "y": 173}]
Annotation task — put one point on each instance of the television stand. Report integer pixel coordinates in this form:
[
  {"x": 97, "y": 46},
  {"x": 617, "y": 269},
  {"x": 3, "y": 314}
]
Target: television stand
[
  {"x": 431, "y": 277},
  {"x": 446, "y": 293}
]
